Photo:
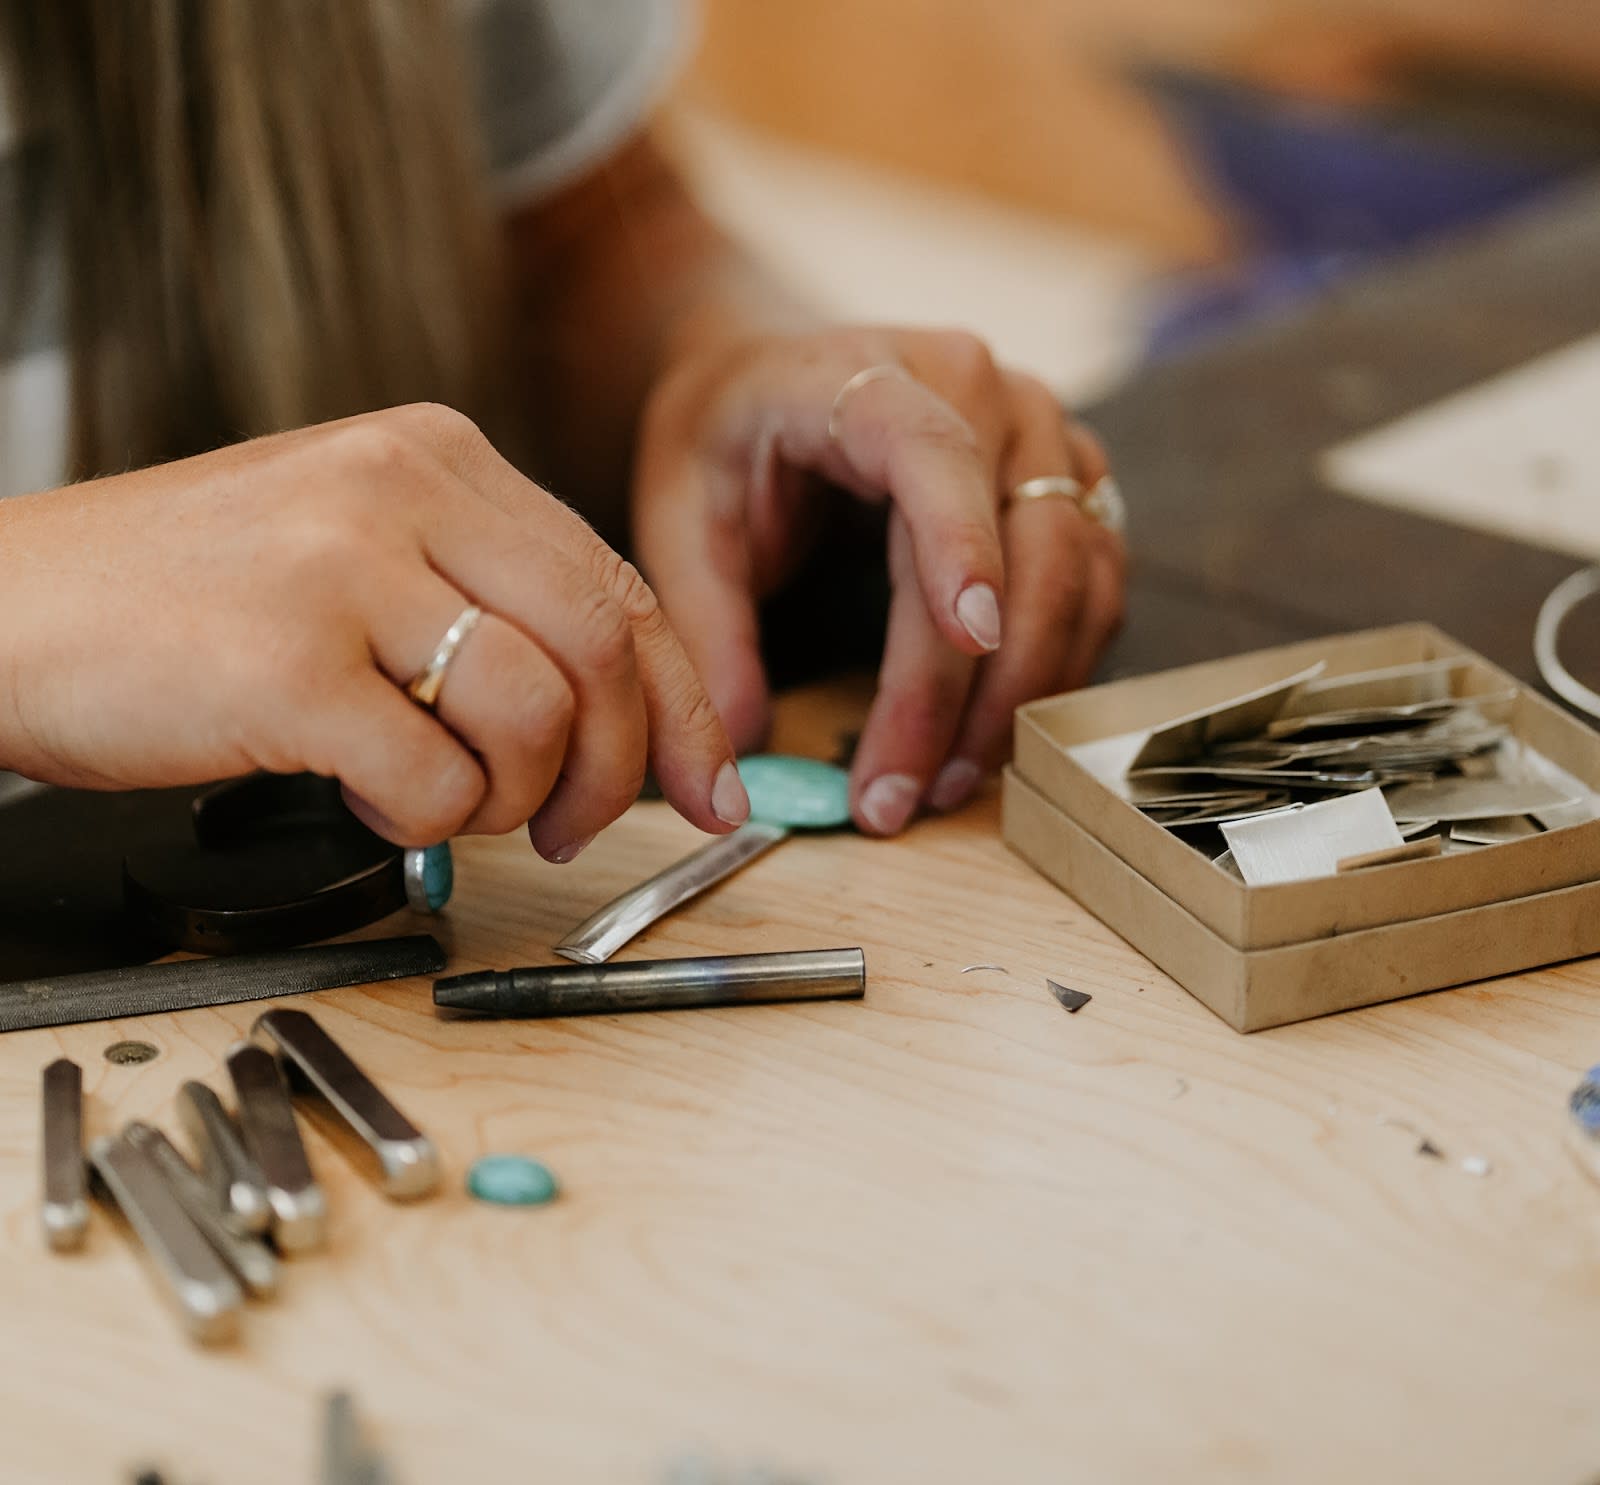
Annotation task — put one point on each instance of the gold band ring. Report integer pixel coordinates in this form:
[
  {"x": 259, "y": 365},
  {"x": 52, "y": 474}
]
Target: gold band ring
[
  {"x": 424, "y": 690},
  {"x": 854, "y": 385},
  {"x": 1103, "y": 504}
]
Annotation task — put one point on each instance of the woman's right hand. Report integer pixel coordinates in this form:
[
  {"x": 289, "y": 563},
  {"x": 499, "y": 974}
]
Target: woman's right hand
[{"x": 263, "y": 607}]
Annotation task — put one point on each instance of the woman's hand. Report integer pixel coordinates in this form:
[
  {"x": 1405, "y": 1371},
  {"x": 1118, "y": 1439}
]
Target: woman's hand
[
  {"x": 994, "y": 602},
  {"x": 264, "y": 606}
]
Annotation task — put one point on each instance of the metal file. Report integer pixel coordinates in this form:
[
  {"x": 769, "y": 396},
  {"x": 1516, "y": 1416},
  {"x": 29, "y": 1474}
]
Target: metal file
[{"x": 147, "y": 989}]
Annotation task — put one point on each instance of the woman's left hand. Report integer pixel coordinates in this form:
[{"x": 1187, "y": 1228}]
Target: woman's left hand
[{"x": 995, "y": 601}]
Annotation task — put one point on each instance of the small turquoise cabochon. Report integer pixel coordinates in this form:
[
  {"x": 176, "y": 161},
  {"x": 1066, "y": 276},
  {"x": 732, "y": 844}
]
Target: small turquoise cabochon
[
  {"x": 430, "y": 877},
  {"x": 512, "y": 1181},
  {"x": 798, "y": 793}
]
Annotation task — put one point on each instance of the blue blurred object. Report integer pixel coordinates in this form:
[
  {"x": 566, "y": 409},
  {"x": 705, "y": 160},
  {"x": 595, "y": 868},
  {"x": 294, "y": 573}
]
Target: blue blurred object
[{"x": 1322, "y": 188}]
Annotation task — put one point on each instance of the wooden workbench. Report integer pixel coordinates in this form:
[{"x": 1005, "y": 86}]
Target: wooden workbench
[
  {"x": 948, "y": 1234},
  {"x": 951, "y": 1234}
]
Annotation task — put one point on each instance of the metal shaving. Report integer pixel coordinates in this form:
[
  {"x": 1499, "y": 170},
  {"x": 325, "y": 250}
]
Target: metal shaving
[
  {"x": 998, "y": 968},
  {"x": 1073, "y": 1000}
]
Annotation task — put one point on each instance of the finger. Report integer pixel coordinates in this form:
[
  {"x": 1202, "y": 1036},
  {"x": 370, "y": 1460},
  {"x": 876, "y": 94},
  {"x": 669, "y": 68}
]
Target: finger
[
  {"x": 512, "y": 566},
  {"x": 891, "y": 436},
  {"x": 900, "y": 437},
  {"x": 1050, "y": 548},
  {"x": 502, "y": 697},
  {"x": 1107, "y": 578},
  {"x": 402, "y": 772},
  {"x": 1105, "y": 589},
  {"x": 693, "y": 543},
  {"x": 922, "y": 690},
  {"x": 1090, "y": 463}
]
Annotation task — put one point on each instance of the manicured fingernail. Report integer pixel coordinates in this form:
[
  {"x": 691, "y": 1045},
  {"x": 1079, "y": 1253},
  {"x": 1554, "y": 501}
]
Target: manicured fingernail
[
  {"x": 729, "y": 802},
  {"x": 887, "y": 802},
  {"x": 572, "y": 852},
  {"x": 979, "y": 612},
  {"x": 954, "y": 786}
]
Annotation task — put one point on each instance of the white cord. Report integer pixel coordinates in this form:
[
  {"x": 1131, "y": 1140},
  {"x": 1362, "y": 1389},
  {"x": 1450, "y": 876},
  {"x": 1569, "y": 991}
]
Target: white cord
[{"x": 1552, "y": 615}]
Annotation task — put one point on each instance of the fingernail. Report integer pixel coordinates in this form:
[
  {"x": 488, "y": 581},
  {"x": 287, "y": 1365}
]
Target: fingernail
[
  {"x": 979, "y": 612},
  {"x": 954, "y": 786},
  {"x": 572, "y": 852},
  {"x": 729, "y": 801},
  {"x": 888, "y": 802}
]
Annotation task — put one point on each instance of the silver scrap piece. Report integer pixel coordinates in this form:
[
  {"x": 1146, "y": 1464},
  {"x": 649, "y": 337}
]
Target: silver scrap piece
[{"x": 598, "y": 937}]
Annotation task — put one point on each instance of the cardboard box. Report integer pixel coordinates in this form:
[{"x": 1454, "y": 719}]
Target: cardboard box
[{"x": 1266, "y": 956}]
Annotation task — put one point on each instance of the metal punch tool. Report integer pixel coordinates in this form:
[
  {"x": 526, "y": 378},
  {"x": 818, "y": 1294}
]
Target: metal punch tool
[
  {"x": 228, "y": 1169},
  {"x": 251, "y": 1261},
  {"x": 266, "y": 1119},
  {"x": 407, "y": 1158},
  {"x": 205, "y": 1294},
  {"x": 346, "y": 1457},
  {"x": 65, "y": 1211},
  {"x": 657, "y": 985}
]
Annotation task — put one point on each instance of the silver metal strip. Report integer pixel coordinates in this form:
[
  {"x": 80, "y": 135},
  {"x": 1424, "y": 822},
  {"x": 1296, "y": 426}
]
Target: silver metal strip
[{"x": 597, "y": 938}]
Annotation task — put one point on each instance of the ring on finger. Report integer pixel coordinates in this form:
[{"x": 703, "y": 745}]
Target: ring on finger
[
  {"x": 424, "y": 688},
  {"x": 854, "y": 385},
  {"x": 1103, "y": 503}
]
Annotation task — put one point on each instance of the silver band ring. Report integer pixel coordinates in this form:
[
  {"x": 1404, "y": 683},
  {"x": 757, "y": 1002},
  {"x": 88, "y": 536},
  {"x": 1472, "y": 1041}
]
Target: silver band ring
[
  {"x": 424, "y": 690},
  {"x": 854, "y": 385},
  {"x": 1103, "y": 504}
]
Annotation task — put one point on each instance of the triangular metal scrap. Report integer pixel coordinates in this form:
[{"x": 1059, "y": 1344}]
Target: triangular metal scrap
[{"x": 1073, "y": 1000}]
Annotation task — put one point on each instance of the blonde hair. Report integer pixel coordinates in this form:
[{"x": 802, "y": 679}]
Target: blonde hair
[{"x": 274, "y": 213}]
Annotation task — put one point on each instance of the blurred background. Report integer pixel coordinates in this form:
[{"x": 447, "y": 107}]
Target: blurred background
[{"x": 1092, "y": 182}]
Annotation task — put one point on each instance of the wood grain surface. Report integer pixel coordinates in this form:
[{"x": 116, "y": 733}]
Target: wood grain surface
[{"x": 948, "y": 1234}]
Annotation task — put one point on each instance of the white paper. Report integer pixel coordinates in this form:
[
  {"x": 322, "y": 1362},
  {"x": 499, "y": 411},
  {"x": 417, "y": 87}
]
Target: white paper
[
  {"x": 1519, "y": 455},
  {"x": 1311, "y": 842}
]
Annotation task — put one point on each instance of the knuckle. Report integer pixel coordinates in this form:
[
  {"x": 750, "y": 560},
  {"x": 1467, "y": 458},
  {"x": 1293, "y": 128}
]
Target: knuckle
[
  {"x": 968, "y": 542},
  {"x": 375, "y": 447},
  {"x": 1065, "y": 594},
  {"x": 501, "y": 812},
  {"x": 921, "y": 713},
  {"x": 546, "y": 709},
  {"x": 608, "y": 652},
  {"x": 686, "y": 698},
  {"x": 435, "y": 424},
  {"x": 322, "y": 541},
  {"x": 626, "y": 586},
  {"x": 944, "y": 433},
  {"x": 457, "y": 793},
  {"x": 967, "y": 358}
]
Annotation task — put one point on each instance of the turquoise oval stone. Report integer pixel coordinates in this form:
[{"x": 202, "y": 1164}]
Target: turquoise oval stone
[
  {"x": 438, "y": 876},
  {"x": 799, "y": 793},
  {"x": 512, "y": 1181}
]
